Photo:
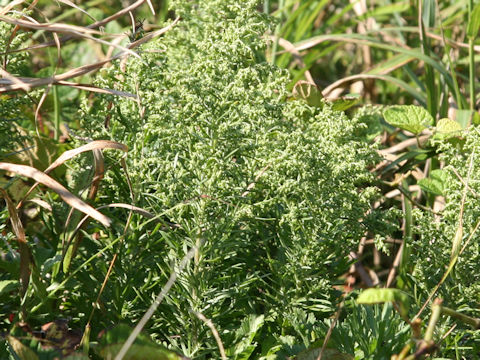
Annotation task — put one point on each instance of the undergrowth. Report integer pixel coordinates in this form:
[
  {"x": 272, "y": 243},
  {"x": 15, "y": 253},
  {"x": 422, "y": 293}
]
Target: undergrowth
[
  {"x": 274, "y": 192},
  {"x": 229, "y": 210}
]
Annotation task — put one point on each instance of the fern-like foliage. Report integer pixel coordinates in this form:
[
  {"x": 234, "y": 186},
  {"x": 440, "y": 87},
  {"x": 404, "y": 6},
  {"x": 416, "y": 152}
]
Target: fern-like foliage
[
  {"x": 12, "y": 105},
  {"x": 275, "y": 192}
]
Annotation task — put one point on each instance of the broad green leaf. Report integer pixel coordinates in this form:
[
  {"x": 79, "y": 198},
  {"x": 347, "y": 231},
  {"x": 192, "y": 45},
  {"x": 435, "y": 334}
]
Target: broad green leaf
[
  {"x": 376, "y": 296},
  {"x": 409, "y": 117},
  {"x": 8, "y": 285},
  {"x": 447, "y": 128},
  {"x": 142, "y": 349},
  {"x": 474, "y": 22},
  {"x": 308, "y": 92},
  {"x": 328, "y": 354},
  {"x": 23, "y": 352},
  {"x": 435, "y": 182}
]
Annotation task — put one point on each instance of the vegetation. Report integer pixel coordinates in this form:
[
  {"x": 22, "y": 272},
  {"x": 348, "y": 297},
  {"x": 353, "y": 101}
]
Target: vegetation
[{"x": 215, "y": 179}]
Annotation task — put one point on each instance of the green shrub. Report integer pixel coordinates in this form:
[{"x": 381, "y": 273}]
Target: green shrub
[{"x": 275, "y": 191}]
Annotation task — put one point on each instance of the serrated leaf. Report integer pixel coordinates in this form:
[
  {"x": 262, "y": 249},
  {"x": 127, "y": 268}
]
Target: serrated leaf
[
  {"x": 308, "y": 92},
  {"x": 328, "y": 354},
  {"x": 435, "y": 183},
  {"x": 474, "y": 22},
  {"x": 247, "y": 331},
  {"x": 409, "y": 117},
  {"x": 8, "y": 285},
  {"x": 23, "y": 352},
  {"x": 380, "y": 296},
  {"x": 447, "y": 128}
]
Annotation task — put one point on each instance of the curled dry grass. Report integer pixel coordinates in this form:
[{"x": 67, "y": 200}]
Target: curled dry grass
[{"x": 9, "y": 82}]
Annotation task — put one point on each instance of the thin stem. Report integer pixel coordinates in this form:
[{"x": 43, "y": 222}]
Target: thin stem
[{"x": 471, "y": 73}]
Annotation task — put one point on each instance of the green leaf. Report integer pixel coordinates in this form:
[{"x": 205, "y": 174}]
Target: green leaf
[
  {"x": 77, "y": 357},
  {"x": 466, "y": 117},
  {"x": 308, "y": 92},
  {"x": 474, "y": 22},
  {"x": 447, "y": 128},
  {"x": 142, "y": 349},
  {"x": 246, "y": 333},
  {"x": 409, "y": 117},
  {"x": 328, "y": 354},
  {"x": 412, "y": 157},
  {"x": 376, "y": 296},
  {"x": 345, "y": 102},
  {"x": 8, "y": 285},
  {"x": 435, "y": 182},
  {"x": 139, "y": 352},
  {"x": 428, "y": 14},
  {"x": 22, "y": 351},
  {"x": 476, "y": 118},
  {"x": 457, "y": 243}
]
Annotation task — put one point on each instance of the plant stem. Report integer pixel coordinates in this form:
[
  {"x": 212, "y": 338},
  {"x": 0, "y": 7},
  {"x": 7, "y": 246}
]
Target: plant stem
[
  {"x": 436, "y": 313},
  {"x": 474, "y": 322},
  {"x": 471, "y": 73}
]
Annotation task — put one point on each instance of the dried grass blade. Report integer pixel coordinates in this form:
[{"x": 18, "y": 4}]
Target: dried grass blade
[
  {"x": 53, "y": 27},
  {"x": 71, "y": 4},
  {"x": 133, "y": 208},
  {"x": 41, "y": 203},
  {"x": 22, "y": 85},
  {"x": 35, "y": 82},
  {"x": 116, "y": 15},
  {"x": 398, "y": 82},
  {"x": 91, "y": 26},
  {"x": 130, "y": 187},
  {"x": 26, "y": 259},
  {"x": 151, "y": 7},
  {"x": 94, "y": 145},
  {"x": 96, "y": 89},
  {"x": 153, "y": 34},
  {"x": 74, "y": 30},
  {"x": 99, "y": 173},
  {"x": 67, "y": 155},
  {"x": 288, "y": 46},
  {"x": 10, "y": 6},
  {"x": 66, "y": 195}
]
